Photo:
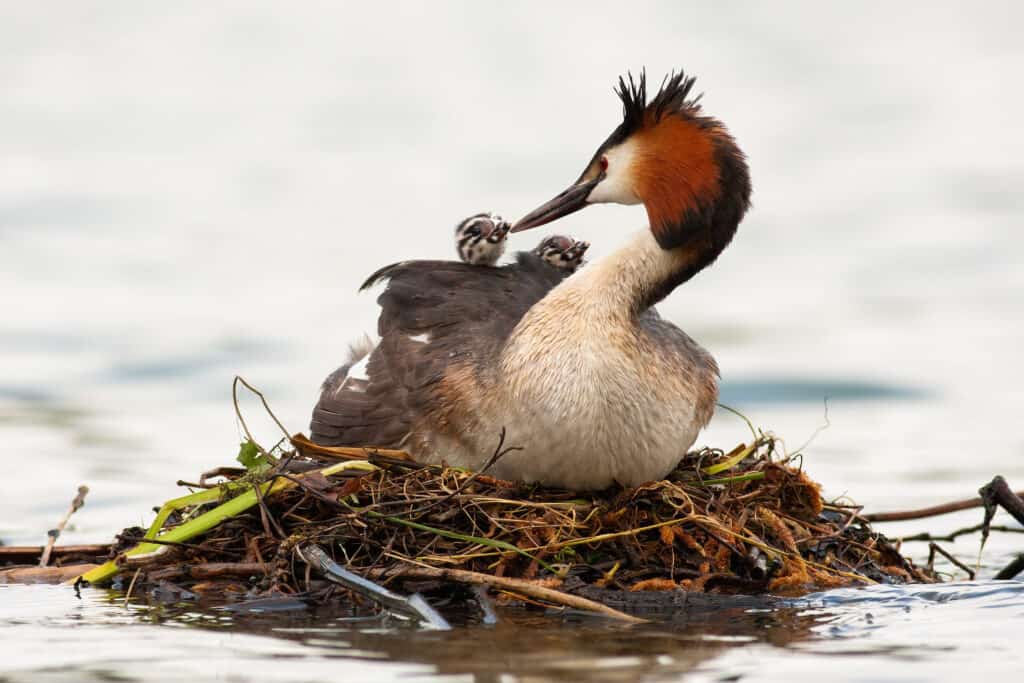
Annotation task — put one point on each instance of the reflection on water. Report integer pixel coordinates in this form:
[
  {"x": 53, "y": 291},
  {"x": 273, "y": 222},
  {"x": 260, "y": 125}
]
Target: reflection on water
[
  {"x": 753, "y": 391},
  {"x": 936, "y": 626},
  {"x": 188, "y": 194}
]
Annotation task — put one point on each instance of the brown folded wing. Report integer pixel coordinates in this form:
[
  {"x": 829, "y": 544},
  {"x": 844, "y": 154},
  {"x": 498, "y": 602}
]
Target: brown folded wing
[{"x": 433, "y": 314}]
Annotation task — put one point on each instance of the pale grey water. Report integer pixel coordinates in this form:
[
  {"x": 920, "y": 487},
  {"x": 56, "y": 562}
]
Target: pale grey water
[{"x": 187, "y": 193}]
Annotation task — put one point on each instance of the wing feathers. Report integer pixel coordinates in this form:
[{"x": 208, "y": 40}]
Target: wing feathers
[{"x": 433, "y": 313}]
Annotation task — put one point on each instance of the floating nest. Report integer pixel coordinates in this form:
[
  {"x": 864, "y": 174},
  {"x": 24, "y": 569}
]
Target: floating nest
[{"x": 748, "y": 521}]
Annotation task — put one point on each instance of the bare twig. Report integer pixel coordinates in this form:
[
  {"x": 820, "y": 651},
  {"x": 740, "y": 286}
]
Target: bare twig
[
  {"x": 30, "y": 554},
  {"x": 268, "y": 518},
  {"x": 226, "y": 472},
  {"x": 933, "y": 511},
  {"x": 935, "y": 548},
  {"x": 997, "y": 492},
  {"x": 953, "y": 535},
  {"x": 303, "y": 443},
  {"x": 131, "y": 586},
  {"x": 266, "y": 406},
  {"x": 499, "y": 452},
  {"x": 54, "y": 534},
  {"x": 504, "y": 583},
  {"x": 209, "y": 570}
]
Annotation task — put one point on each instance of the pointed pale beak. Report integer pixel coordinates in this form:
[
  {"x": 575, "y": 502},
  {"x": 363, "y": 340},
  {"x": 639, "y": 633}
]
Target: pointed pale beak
[{"x": 570, "y": 201}]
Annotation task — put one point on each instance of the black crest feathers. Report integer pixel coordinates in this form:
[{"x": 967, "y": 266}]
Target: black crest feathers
[{"x": 672, "y": 97}]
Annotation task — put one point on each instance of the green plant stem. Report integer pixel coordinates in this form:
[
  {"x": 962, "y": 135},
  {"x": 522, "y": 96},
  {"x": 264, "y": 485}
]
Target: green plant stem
[
  {"x": 198, "y": 498},
  {"x": 208, "y": 520},
  {"x": 749, "y": 476},
  {"x": 731, "y": 462}
]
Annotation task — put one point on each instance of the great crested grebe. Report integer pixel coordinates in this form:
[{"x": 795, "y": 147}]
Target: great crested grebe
[
  {"x": 480, "y": 240},
  {"x": 589, "y": 382}
]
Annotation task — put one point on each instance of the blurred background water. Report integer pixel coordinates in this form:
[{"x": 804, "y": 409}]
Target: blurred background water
[{"x": 189, "y": 192}]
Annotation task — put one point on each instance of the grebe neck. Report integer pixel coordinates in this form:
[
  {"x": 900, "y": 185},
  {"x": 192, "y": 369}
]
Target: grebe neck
[{"x": 632, "y": 278}]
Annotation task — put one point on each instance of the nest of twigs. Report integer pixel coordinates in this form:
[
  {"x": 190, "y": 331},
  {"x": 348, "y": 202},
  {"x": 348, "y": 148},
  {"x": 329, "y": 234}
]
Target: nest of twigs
[{"x": 748, "y": 521}]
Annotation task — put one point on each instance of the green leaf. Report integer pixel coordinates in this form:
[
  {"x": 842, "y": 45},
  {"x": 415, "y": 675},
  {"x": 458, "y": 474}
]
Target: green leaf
[
  {"x": 565, "y": 555},
  {"x": 250, "y": 456}
]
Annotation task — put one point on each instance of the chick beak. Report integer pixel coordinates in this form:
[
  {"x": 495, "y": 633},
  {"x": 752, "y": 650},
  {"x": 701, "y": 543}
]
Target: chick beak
[{"x": 499, "y": 232}]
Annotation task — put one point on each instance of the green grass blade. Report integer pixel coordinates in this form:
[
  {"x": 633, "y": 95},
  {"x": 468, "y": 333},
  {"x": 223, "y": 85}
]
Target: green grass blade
[
  {"x": 749, "y": 476},
  {"x": 207, "y": 496},
  {"x": 731, "y": 462},
  {"x": 208, "y": 520}
]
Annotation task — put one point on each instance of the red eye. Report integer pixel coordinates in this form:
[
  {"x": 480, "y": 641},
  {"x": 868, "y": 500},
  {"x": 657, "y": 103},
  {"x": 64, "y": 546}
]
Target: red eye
[{"x": 604, "y": 163}]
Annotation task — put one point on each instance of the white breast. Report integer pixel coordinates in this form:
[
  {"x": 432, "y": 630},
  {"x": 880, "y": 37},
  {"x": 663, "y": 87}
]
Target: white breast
[{"x": 590, "y": 416}]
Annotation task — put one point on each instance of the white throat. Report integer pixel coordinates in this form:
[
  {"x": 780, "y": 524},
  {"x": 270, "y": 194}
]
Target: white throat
[{"x": 618, "y": 282}]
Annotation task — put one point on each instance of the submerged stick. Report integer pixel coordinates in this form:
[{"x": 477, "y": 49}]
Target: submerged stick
[
  {"x": 518, "y": 585},
  {"x": 1011, "y": 570},
  {"x": 43, "y": 574},
  {"x": 997, "y": 492},
  {"x": 54, "y": 534},
  {"x": 30, "y": 554},
  {"x": 210, "y": 570},
  {"x": 414, "y": 606},
  {"x": 936, "y": 548}
]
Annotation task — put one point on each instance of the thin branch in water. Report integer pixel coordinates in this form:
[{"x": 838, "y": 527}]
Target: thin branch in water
[
  {"x": 936, "y": 548},
  {"x": 1011, "y": 570},
  {"x": 131, "y": 586},
  {"x": 54, "y": 534},
  {"x": 933, "y": 511},
  {"x": 953, "y": 535}
]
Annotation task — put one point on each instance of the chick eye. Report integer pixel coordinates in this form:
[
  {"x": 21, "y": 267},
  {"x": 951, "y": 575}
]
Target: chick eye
[
  {"x": 604, "y": 163},
  {"x": 473, "y": 231}
]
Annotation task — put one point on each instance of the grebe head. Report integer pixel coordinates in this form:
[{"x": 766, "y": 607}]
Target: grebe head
[
  {"x": 562, "y": 252},
  {"x": 683, "y": 166},
  {"x": 480, "y": 239}
]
